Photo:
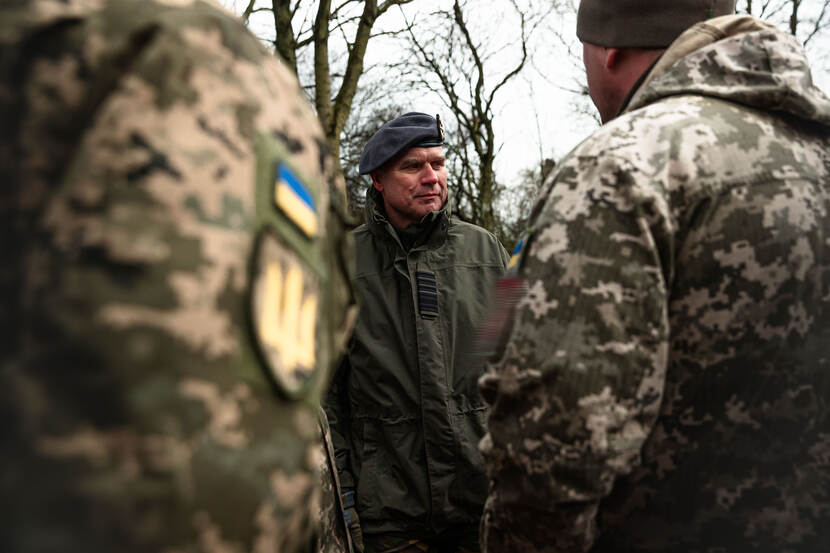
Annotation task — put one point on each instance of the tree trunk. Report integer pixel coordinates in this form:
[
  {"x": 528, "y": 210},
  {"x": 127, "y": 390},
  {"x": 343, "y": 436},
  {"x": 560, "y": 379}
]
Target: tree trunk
[
  {"x": 284, "y": 41},
  {"x": 340, "y": 108},
  {"x": 322, "y": 76},
  {"x": 794, "y": 16},
  {"x": 486, "y": 198}
]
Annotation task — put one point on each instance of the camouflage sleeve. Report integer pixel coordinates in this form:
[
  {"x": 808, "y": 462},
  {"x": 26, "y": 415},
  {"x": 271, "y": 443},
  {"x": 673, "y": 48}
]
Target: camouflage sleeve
[
  {"x": 334, "y": 535},
  {"x": 147, "y": 142},
  {"x": 575, "y": 390},
  {"x": 337, "y": 410}
]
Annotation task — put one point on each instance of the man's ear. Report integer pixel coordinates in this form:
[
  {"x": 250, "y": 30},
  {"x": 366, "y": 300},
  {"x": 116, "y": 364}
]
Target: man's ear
[
  {"x": 612, "y": 58},
  {"x": 376, "y": 181}
]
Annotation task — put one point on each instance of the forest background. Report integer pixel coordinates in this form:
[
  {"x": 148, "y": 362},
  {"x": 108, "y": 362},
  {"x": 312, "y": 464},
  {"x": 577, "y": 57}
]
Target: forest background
[{"x": 506, "y": 77}]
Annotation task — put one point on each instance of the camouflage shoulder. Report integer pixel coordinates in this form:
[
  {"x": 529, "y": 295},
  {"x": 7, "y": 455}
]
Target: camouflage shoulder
[{"x": 153, "y": 143}]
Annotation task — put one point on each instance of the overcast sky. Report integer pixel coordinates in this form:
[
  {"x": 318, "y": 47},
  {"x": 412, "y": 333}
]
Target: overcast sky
[{"x": 536, "y": 115}]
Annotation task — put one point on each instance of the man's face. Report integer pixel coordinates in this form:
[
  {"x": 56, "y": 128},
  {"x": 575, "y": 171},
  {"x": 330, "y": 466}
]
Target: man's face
[
  {"x": 599, "y": 86},
  {"x": 413, "y": 185}
]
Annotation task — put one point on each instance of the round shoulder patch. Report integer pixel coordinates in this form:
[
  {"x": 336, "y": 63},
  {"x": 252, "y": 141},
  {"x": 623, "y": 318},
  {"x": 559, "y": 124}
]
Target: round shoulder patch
[{"x": 284, "y": 304}]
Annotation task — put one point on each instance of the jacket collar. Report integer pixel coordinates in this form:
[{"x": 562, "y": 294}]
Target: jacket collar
[{"x": 436, "y": 224}]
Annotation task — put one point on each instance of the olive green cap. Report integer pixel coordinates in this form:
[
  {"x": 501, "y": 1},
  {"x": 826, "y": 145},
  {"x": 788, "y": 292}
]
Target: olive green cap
[{"x": 643, "y": 23}]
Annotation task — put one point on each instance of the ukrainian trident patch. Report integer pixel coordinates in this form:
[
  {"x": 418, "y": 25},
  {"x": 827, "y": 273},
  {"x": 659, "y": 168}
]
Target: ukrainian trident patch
[{"x": 284, "y": 308}]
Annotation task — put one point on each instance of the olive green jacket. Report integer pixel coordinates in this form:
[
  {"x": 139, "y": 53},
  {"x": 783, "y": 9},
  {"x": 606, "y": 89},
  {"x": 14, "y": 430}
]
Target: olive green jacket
[{"x": 405, "y": 413}]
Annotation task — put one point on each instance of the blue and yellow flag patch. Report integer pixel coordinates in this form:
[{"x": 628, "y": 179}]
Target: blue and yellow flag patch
[
  {"x": 295, "y": 201},
  {"x": 517, "y": 252}
]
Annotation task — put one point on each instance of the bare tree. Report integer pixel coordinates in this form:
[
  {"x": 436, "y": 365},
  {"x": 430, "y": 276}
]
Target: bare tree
[
  {"x": 806, "y": 19},
  {"x": 302, "y": 26},
  {"x": 448, "y": 59},
  {"x": 516, "y": 201}
]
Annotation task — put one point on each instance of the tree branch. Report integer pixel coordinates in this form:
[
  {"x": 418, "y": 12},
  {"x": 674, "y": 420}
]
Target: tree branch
[
  {"x": 389, "y": 3},
  {"x": 519, "y": 66},
  {"x": 820, "y": 24},
  {"x": 248, "y": 10}
]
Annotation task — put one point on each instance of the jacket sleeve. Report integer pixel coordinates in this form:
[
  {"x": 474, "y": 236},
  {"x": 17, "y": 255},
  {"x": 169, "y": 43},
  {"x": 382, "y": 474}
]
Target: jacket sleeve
[
  {"x": 575, "y": 391},
  {"x": 337, "y": 410}
]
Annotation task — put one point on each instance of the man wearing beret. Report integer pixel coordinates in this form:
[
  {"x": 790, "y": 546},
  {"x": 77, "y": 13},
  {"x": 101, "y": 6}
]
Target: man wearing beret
[
  {"x": 663, "y": 385},
  {"x": 405, "y": 413}
]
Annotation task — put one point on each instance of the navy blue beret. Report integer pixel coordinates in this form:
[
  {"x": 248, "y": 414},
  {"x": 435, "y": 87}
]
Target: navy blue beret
[{"x": 410, "y": 130}]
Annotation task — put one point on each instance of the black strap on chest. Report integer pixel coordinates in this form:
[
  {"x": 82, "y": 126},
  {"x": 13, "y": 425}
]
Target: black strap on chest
[{"x": 427, "y": 295}]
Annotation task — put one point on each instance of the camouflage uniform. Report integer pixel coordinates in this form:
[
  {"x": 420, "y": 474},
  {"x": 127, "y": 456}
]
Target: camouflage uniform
[
  {"x": 173, "y": 283},
  {"x": 334, "y": 533},
  {"x": 665, "y": 381}
]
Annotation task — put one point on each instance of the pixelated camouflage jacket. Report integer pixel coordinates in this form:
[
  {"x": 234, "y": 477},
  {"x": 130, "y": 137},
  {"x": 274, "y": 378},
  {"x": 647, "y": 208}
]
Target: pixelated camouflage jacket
[
  {"x": 334, "y": 536},
  {"x": 404, "y": 408},
  {"x": 173, "y": 283},
  {"x": 664, "y": 385}
]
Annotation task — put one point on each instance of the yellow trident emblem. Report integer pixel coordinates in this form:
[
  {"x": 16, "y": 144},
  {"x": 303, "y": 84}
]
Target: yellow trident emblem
[
  {"x": 287, "y": 320},
  {"x": 285, "y": 316}
]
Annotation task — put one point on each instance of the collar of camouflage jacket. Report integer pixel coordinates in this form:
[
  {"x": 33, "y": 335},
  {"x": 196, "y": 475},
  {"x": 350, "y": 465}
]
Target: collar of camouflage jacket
[
  {"x": 740, "y": 59},
  {"x": 436, "y": 224}
]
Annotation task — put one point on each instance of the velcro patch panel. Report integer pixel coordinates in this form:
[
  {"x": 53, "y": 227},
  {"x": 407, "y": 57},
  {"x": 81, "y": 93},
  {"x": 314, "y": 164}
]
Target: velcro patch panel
[{"x": 427, "y": 295}]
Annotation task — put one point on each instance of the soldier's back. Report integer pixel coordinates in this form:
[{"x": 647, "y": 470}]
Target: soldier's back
[{"x": 738, "y": 455}]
